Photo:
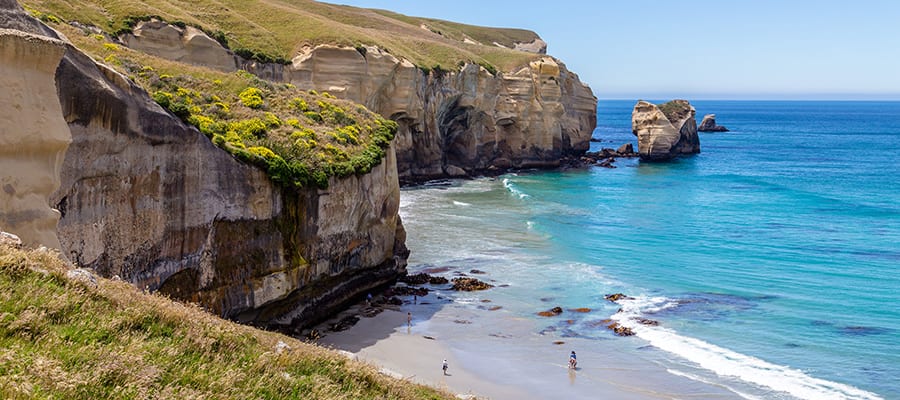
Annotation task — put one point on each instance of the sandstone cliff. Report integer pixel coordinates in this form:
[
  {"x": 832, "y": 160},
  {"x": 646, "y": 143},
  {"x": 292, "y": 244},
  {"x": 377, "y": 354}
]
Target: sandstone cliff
[
  {"x": 151, "y": 200},
  {"x": 453, "y": 123},
  {"x": 665, "y": 131},
  {"x": 33, "y": 136}
]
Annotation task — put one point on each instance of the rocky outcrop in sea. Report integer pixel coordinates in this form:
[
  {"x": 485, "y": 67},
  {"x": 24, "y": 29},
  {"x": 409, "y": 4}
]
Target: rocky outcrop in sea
[
  {"x": 665, "y": 131},
  {"x": 708, "y": 124}
]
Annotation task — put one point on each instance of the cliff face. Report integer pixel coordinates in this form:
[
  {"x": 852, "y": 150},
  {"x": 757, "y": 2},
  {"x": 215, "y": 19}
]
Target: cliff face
[
  {"x": 662, "y": 137},
  {"x": 451, "y": 123},
  {"x": 153, "y": 201},
  {"x": 33, "y": 135}
]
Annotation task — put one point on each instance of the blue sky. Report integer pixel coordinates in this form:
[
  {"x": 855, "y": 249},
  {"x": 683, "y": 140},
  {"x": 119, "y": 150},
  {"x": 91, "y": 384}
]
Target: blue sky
[{"x": 703, "y": 49}]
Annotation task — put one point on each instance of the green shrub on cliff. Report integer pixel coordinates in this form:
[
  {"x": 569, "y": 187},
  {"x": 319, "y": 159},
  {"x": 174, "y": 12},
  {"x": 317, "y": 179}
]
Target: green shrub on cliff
[
  {"x": 300, "y": 138},
  {"x": 239, "y": 111},
  {"x": 252, "y": 97},
  {"x": 63, "y": 339}
]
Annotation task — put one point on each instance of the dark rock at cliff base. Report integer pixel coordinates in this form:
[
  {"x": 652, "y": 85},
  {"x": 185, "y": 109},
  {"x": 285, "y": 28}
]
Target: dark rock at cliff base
[
  {"x": 709, "y": 124},
  {"x": 477, "y": 272},
  {"x": 617, "y": 296},
  {"x": 607, "y": 163},
  {"x": 423, "y": 278},
  {"x": 469, "y": 284},
  {"x": 665, "y": 131},
  {"x": 408, "y": 291},
  {"x": 344, "y": 324}
]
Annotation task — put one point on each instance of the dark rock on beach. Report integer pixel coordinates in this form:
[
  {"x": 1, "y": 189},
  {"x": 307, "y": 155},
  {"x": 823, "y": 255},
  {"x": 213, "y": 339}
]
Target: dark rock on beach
[
  {"x": 344, "y": 324},
  {"x": 409, "y": 291},
  {"x": 469, "y": 284},
  {"x": 617, "y": 329},
  {"x": 551, "y": 312},
  {"x": 423, "y": 278}
]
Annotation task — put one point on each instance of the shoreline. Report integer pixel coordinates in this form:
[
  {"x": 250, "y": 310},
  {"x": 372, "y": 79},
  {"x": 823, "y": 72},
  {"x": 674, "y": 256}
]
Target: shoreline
[{"x": 497, "y": 356}]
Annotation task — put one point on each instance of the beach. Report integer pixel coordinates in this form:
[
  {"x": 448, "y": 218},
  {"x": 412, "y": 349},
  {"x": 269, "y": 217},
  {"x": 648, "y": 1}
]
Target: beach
[
  {"x": 407, "y": 353},
  {"x": 493, "y": 366}
]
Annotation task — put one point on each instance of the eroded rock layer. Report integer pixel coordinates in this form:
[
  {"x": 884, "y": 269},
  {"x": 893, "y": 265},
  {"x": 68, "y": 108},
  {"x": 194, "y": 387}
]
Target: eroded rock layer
[{"x": 33, "y": 135}]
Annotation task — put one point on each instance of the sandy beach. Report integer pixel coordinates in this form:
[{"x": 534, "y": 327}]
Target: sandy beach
[
  {"x": 400, "y": 350},
  {"x": 497, "y": 355}
]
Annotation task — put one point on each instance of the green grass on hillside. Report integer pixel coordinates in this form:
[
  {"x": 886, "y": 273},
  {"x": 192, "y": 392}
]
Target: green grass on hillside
[
  {"x": 278, "y": 29},
  {"x": 507, "y": 37},
  {"x": 300, "y": 138},
  {"x": 64, "y": 339}
]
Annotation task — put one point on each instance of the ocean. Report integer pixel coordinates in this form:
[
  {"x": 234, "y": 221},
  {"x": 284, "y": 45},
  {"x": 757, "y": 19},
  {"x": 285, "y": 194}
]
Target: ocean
[{"x": 771, "y": 261}]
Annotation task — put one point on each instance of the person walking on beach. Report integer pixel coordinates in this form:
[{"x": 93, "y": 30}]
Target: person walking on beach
[
  {"x": 573, "y": 361},
  {"x": 444, "y": 367},
  {"x": 409, "y": 319}
]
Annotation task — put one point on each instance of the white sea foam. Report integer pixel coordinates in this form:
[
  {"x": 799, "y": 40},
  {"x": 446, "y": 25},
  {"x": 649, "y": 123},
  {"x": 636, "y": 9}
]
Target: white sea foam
[
  {"x": 712, "y": 383},
  {"x": 511, "y": 187},
  {"x": 725, "y": 362},
  {"x": 459, "y": 203}
]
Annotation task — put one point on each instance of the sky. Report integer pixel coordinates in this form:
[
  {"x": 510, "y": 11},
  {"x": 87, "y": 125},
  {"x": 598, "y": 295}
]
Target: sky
[{"x": 703, "y": 49}]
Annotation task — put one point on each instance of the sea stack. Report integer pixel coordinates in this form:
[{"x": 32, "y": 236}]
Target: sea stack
[
  {"x": 709, "y": 124},
  {"x": 665, "y": 131}
]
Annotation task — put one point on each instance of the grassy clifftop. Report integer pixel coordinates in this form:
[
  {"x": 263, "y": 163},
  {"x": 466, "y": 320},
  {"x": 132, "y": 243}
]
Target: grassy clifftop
[
  {"x": 300, "y": 138},
  {"x": 280, "y": 28},
  {"x": 65, "y": 338}
]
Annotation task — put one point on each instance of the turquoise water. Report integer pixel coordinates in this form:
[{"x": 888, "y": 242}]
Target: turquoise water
[{"x": 770, "y": 259}]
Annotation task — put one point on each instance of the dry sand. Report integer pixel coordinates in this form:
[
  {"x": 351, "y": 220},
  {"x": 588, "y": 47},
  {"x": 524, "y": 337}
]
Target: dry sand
[{"x": 387, "y": 342}]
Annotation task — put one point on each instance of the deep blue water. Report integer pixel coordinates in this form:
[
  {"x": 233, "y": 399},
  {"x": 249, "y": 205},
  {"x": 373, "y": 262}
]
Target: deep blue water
[{"x": 771, "y": 259}]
